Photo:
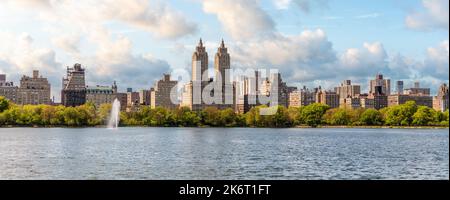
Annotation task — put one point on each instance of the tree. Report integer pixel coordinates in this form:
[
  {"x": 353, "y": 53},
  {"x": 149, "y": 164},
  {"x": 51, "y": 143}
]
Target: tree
[
  {"x": 4, "y": 104},
  {"x": 89, "y": 114},
  {"x": 293, "y": 114},
  {"x": 163, "y": 117},
  {"x": 312, "y": 114},
  {"x": 58, "y": 118},
  {"x": 337, "y": 116},
  {"x": 72, "y": 117},
  {"x": 228, "y": 118},
  {"x": 104, "y": 113},
  {"x": 211, "y": 117},
  {"x": 423, "y": 116},
  {"x": 444, "y": 121},
  {"x": 401, "y": 115},
  {"x": 371, "y": 117},
  {"x": 186, "y": 118},
  {"x": 250, "y": 117},
  {"x": 281, "y": 118}
]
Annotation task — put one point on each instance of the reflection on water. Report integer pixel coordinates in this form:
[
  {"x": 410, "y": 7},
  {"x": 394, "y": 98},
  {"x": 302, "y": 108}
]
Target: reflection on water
[{"x": 190, "y": 153}]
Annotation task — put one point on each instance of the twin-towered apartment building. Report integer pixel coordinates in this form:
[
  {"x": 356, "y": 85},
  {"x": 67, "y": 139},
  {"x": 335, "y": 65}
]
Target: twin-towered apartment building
[{"x": 240, "y": 93}]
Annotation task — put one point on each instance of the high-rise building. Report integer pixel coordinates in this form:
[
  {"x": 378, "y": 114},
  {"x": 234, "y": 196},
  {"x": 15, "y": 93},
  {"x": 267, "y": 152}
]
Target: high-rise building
[
  {"x": 329, "y": 98},
  {"x": 347, "y": 90},
  {"x": 221, "y": 87},
  {"x": 122, "y": 98},
  {"x": 417, "y": 90},
  {"x": 192, "y": 91},
  {"x": 200, "y": 63},
  {"x": 366, "y": 102},
  {"x": 279, "y": 87},
  {"x": 165, "y": 93},
  {"x": 33, "y": 90},
  {"x": 186, "y": 96},
  {"x": 385, "y": 85},
  {"x": 440, "y": 102},
  {"x": 7, "y": 89},
  {"x": 246, "y": 92},
  {"x": 145, "y": 97},
  {"x": 350, "y": 102},
  {"x": 302, "y": 97},
  {"x": 399, "y": 87},
  {"x": 74, "y": 87},
  {"x": 379, "y": 97},
  {"x": 222, "y": 78},
  {"x": 394, "y": 100},
  {"x": 2, "y": 79},
  {"x": 132, "y": 99}
]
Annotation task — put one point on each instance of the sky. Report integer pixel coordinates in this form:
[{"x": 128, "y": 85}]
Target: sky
[{"x": 311, "y": 42}]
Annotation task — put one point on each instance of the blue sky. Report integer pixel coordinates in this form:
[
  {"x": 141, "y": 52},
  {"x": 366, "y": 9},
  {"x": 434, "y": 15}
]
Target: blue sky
[{"x": 310, "y": 42}]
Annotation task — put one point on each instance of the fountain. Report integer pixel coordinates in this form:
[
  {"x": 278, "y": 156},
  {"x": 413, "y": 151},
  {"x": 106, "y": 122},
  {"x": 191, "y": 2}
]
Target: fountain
[{"x": 114, "y": 118}]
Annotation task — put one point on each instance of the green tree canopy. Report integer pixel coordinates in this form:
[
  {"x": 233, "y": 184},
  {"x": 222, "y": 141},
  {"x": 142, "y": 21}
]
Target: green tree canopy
[
  {"x": 371, "y": 117},
  {"x": 423, "y": 116},
  {"x": 4, "y": 104},
  {"x": 337, "y": 116},
  {"x": 401, "y": 115},
  {"x": 312, "y": 114}
]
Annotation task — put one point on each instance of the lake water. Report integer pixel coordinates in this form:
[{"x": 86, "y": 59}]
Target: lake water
[{"x": 216, "y": 153}]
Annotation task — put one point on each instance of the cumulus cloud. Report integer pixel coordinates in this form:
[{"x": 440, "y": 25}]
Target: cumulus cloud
[
  {"x": 431, "y": 71},
  {"x": 152, "y": 16},
  {"x": 298, "y": 57},
  {"x": 369, "y": 60},
  {"x": 304, "y": 5},
  {"x": 241, "y": 19},
  {"x": 108, "y": 57},
  {"x": 19, "y": 56},
  {"x": 30, "y": 3},
  {"x": 69, "y": 43},
  {"x": 309, "y": 46},
  {"x": 434, "y": 16},
  {"x": 437, "y": 61},
  {"x": 114, "y": 60}
]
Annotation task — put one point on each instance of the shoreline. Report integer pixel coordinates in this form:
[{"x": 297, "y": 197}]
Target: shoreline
[{"x": 204, "y": 127}]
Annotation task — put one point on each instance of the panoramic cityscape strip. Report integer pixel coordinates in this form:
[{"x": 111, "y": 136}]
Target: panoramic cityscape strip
[
  {"x": 237, "y": 92},
  {"x": 224, "y": 99}
]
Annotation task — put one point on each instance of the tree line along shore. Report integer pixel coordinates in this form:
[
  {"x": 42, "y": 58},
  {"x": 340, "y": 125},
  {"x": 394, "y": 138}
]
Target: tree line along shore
[{"x": 314, "y": 115}]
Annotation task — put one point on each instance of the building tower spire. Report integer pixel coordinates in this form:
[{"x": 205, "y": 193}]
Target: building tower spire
[{"x": 200, "y": 44}]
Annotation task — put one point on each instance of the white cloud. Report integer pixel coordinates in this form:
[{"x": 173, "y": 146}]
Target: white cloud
[
  {"x": 69, "y": 43},
  {"x": 369, "y": 59},
  {"x": 107, "y": 57},
  {"x": 434, "y": 16},
  {"x": 241, "y": 19},
  {"x": 303, "y": 5},
  {"x": 19, "y": 56},
  {"x": 299, "y": 57},
  {"x": 309, "y": 46},
  {"x": 282, "y": 4},
  {"x": 152, "y": 16},
  {"x": 114, "y": 60},
  {"x": 30, "y": 3},
  {"x": 437, "y": 61}
]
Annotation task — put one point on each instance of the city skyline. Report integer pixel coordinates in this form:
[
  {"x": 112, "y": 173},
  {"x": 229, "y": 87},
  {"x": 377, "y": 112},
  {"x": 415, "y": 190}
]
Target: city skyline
[{"x": 271, "y": 34}]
